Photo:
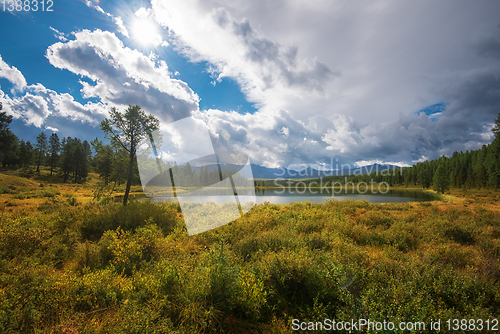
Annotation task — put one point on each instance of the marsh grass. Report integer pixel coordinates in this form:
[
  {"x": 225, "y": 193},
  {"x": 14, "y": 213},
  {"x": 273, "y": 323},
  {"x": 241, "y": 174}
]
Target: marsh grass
[{"x": 68, "y": 264}]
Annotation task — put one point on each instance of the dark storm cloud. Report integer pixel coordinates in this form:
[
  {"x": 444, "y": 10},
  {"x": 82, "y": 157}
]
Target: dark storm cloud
[
  {"x": 463, "y": 125},
  {"x": 263, "y": 51},
  {"x": 489, "y": 48}
]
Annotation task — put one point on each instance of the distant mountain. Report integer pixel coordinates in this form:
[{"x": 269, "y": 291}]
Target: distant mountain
[{"x": 260, "y": 172}]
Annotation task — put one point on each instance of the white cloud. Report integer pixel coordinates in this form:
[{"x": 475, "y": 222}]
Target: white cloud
[
  {"x": 116, "y": 19},
  {"x": 52, "y": 129},
  {"x": 59, "y": 35},
  {"x": 38, "y": 102},
  {"x": 267, "y": 71},
  {"x": 123, "y": 76},
  {"x": 12, "y": 74},
  {"x": 121, "y": 27},
  {"x": 363, "y": 163},
  {"x": 185, "y": 140},
  {"x": 32, "y": 108},
  {"x": 261, "y": 137},
  {"x": 284, "y": 55},
  {"x": 341, "y": 137}
]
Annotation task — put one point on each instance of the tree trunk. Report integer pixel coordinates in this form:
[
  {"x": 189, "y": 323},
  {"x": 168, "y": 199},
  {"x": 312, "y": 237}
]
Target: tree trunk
[
  {"x": 129, "y": 178},
  {"x": 39, "y": 162}
]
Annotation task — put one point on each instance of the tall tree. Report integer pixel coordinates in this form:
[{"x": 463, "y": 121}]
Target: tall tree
[
  {"x": 54, "y": 148},
  {"x": 496, "y": 127},
  {"x": 67, "y": 157},
  {"x": 492, "y": 160},
  {"x": 127, "y": 130},
  {"x": 80, "y": 156},
  {"x": 440, "y": 182},
  {"x": 41, "y": 146},
  {"x": 74, "y": 159},
  {"x": 8, "y": 141},
  {"x": 25, "y": 153},
  {"x": 103, "y": 159}
]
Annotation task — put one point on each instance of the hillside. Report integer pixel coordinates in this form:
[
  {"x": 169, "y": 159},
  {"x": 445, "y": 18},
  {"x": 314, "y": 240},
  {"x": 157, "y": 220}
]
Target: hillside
[{"x": 69, "y": 267}]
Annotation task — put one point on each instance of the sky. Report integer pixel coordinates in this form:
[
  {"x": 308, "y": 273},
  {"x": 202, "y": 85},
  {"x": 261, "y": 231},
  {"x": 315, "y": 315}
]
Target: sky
[{"x": 289, "y": 83}]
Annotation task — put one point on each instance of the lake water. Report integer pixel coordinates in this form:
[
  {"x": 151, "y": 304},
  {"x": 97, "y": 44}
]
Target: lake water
[{"x": 284, "y": 196}]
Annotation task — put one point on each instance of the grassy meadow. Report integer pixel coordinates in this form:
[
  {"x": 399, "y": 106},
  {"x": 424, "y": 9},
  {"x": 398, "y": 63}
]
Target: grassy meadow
[{"x": 70, "y": 264}]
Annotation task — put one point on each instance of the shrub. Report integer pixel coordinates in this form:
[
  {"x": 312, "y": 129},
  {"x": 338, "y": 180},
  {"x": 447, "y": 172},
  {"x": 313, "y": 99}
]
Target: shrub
[
  {"x": 72, "y": 201},
  {"x": 101, "y": 289},
  {"x": 295, "y": 283},
  {"x": 6, "y": 190},
  {"x": 50, "y": 205},
  {"x": 130, "y": 217},
  {"x": 460, "y": 234},
  {"x": 376, "y": 218},
  {"x": 122, "y": 250},
  {"x": 127, "y": 251},
  {"x": 48, "y": 193}
]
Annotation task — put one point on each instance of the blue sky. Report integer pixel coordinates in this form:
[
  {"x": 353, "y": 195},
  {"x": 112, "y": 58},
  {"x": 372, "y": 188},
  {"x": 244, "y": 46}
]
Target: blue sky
[{"x": 286, "y": 82}]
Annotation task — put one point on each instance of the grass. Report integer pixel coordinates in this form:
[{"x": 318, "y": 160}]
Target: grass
[{"x": 84, "y": 267}]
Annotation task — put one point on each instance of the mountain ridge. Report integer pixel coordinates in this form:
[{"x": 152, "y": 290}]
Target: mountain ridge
[{"x": 261, "y": 172}]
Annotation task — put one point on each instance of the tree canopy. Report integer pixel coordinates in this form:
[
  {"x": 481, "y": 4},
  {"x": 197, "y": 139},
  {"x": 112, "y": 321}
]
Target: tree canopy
[
  {"x": 8, "y": 140},
  {"x": 127, "y": 130}
]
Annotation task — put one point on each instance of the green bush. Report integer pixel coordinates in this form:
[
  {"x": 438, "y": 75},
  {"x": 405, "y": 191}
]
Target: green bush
[
  {"x": 6, "y": 190},
  {"x": 72, "y": 201},
  {"x": 48, "y": 193},
  {"x": 130, "y": 217},
  {"x": 460, "y": 234},
  {"x": 376, "y": 218},
  {"x": 19, "y": 196},
  {"x": 126, "y": 251}
]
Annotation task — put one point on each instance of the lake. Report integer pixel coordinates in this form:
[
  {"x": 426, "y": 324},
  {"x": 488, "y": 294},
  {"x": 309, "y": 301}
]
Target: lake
[{"x": 285, "y": 196}]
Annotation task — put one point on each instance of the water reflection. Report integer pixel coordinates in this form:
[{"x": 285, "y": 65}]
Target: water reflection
[{"x": 278, "y": 196}]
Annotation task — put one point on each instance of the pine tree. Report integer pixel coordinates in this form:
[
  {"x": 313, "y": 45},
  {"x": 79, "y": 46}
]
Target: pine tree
[
  {"x": 493, "y": 157},
  {"x": 8, "y": 141},
  {"x": 103, "y": 159},
  {"x": 493, "y": 163},
  {"x": 127, "y": 130},
  {"x": 41, "y": 146},
  {"x": 54, "y": 148},
  {"x": 496, "y": 127},
  {"x": 67, "y": 157},
  {"x": 80, "y": 162},
  {"x": 440, "y": 183},
  {"x": 25, "y": 153}
]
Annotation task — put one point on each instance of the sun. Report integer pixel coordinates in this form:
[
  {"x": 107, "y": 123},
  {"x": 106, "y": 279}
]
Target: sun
[{"x": 145, "y": 32}]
